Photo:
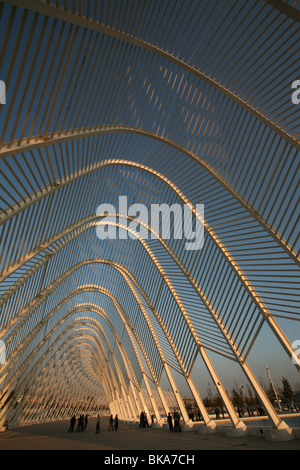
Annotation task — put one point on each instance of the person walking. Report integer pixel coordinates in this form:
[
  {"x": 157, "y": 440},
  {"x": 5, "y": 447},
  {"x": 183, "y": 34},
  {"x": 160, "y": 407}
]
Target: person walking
[
  {"x": 111, "y": 423},
  {"x": 177, "y": 427},
  {"x": 80, "y": 424},
  {"x": 116, "y": 422},
  {"x": 86, "y": 421},
  {"x": 170, "y": 422},
  {"x": 98, "y": 425},
  {"x": 72, "y": 424},
  {"x": 141, "y": 419}
]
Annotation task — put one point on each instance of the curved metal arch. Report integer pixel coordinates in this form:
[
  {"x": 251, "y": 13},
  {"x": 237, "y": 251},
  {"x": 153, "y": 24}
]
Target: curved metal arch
[
  {"x": 249, "y": 375},
  {"x": 80, "y": 20},
  {"x": 168, "y": 337},
  {"x": 71, "y": 312},
  {"x": 68, "y": 328},
  {"x": 276, "y": 132},
  {"x": 114, "y": 384},
  {"x": 72, "y": 367},
  {"x": 119, "y": 385},
  {"x": 124, "y": 355},
  {"x": 129, "y": 329},
  {"x": 16, "y": 383},
  {"x": 125, "y": 273},
  {"x": 125, "y": 321},
  {"x": 30, "y": 373},
  {"x": 207, "y": 420},
  {"x": 54, "y": 186},
  {"x": 284, "y": 7},
  {"x": 26, "y": 413},
  {"x": 223, "y": 329},
  {"x": 37, "y": 347},
  {"x": 126, "y": 361},
  {"x": 84, "y": 320},
  {"x": 100, "y": 311},
  {"x": 18, "y": 318},
  {"x": 224, "y": 252},
  {"x": 274, "y": 417},
  {"x": 44, "y": 382},
  {"x": 110, "y": 263},
  {"x": 213, "y": 236}
]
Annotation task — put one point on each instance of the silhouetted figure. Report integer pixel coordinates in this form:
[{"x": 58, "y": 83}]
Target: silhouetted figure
[
  {"x": 86, "y": 421},
  {"x": 142, "y": 419},
  {"x": 111, "y": 423},
  {"x": 80, "y": 424},
  {"x": 170, "y": 422},
  {"x": 72, "y": 424},
  {"x": 177, "y": 427},
  {"x": 98, "y": 425},
  {"x": 260, "y": 411},
  {"x": 116, "y": 422}
]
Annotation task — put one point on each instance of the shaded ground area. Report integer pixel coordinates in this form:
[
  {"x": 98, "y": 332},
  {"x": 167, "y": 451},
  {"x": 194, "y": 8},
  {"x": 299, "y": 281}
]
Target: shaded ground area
[{"x": 55, "y": 436}]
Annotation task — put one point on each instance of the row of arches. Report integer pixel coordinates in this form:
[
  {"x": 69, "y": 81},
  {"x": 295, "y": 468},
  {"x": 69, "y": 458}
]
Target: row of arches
[{"x": 91, "y": 323}]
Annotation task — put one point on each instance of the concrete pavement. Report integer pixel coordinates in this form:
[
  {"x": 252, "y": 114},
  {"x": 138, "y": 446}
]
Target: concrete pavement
[{"x": 55, "y": 436}]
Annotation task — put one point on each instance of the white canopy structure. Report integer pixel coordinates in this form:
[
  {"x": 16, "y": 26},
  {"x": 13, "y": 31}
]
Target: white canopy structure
[{"x": 177, "y": 103}]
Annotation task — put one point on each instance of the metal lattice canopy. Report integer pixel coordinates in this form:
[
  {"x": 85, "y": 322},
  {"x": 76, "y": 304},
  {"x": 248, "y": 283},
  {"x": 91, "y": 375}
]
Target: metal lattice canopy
[{"x": 182, "y": 102}]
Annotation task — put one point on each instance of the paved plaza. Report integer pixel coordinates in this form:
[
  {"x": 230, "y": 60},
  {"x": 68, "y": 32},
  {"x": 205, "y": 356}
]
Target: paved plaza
[{"x": 55, "y": 436}]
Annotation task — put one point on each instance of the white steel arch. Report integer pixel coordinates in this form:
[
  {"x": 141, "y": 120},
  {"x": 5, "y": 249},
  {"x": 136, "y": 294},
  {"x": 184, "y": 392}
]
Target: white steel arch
[{"x": 180, "y": 106}]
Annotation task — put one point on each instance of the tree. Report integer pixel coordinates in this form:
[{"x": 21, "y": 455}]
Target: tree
[
  {"x": 237, "y": 399},
  {"x": 270, "y": 393},
  {"x": 287, "y": 393},
  {"x": 208, "y": 401},
  {"x": 251, "y": 399},
  {"x": 218, "y": 401}
]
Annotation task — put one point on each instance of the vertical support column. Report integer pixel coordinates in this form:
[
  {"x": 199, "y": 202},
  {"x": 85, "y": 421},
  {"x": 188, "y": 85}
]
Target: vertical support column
[
  {"x": 277, "y": 422},
  {"x": 145, "y": 407},
  {"x": 206, "y": 418},
  {"x": 163, "y": 400},
  {"x": 177, "y": 395},
  {"x": 135, "y": 399},
  {"x": 128, "y": 403},
  {"x": 237, "y": 423},
  {"x": 155, "y": 408}
]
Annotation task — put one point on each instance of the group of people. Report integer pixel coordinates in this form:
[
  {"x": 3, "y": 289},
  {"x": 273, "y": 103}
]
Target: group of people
[
  {"x": 83, "y": 421},
  {"x": 81, "y": 425},
  {"x": 176, "y": 426},
  {"x": 218, "y": 412},
  {"x": 144, "y": 423},
  {"x": 195, "y": 416},
  {"x": 113, "y": 423}
]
